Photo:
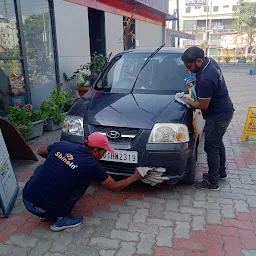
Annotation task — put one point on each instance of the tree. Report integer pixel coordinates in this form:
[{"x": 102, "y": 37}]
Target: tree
[{"x": 245, "y": 20}]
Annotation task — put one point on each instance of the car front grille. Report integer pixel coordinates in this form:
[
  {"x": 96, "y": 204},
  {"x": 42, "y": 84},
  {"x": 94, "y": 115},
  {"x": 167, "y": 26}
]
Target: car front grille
[
  {"x": 123, "y": 168},
  {"x": 127, "y": 134}
]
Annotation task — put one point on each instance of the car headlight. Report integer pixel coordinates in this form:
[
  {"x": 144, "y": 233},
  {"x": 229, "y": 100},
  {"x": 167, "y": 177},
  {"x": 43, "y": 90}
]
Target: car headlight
[
  {"x": 169, "y": 133},
  {"x": 73, "y": 125}
]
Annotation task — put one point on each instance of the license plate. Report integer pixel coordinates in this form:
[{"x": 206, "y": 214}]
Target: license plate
[{"x": 121, "y": 156}]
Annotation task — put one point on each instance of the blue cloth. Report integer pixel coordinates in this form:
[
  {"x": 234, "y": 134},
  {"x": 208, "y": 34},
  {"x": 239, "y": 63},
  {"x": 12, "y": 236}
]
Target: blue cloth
[
  {"x": 63, "y": 178},
  {"x": 210, "y": 83}
]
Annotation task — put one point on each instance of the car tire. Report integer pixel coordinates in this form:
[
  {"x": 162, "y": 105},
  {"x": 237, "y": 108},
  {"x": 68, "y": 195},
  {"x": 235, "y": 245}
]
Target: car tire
[{"x": 191, "y": 168}]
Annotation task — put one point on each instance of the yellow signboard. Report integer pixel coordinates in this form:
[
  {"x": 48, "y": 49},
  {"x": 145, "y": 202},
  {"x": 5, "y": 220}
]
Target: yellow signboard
[{"x": 250, "y": 124}]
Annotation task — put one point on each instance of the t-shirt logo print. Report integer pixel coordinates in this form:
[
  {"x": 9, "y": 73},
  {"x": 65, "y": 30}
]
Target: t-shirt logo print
[{"x": 67, "y": 159}]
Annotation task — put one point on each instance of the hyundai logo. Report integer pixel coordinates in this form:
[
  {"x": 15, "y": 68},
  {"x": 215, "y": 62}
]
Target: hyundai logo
[{"x": 114, "y": 134}]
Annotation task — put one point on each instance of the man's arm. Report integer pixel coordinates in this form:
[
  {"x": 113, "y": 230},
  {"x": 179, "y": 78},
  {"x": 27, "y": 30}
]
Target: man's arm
[
  {"x": 113, "y": 185},
  {"x": 43, "y": 151},
  {"x": 202, "y": 104}
]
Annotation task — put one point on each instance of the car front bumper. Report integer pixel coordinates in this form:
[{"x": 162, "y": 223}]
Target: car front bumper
[{"x": 172, "y": 157}]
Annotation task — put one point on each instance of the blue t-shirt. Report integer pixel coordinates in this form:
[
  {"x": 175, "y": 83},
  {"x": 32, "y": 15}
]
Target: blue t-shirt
[
  {"x": 210, "y": 83},
  {"x": 68, "y": 168}
]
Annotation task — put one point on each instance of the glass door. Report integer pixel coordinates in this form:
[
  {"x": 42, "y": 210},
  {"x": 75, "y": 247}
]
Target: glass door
[{"x": 12, "y": 86}]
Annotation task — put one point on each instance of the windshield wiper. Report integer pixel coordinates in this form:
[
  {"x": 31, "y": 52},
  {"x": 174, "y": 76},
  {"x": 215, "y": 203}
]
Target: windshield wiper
[{"x": 146, "y": 62}]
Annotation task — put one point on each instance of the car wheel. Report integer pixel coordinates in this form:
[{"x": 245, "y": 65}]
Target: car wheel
[{"x": 191, "y": 168}]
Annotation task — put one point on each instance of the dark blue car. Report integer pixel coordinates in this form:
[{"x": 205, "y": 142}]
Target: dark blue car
[{"x": 136, "y": 109}]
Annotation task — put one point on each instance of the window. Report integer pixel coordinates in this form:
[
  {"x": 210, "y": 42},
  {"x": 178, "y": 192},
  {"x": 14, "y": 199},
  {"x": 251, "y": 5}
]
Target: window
[
  {"x": 11, "y": 75},
  {"x": 234, "y": 8},
  {"x": 39, "y": 48},
  {"x": 197, "y": 7},
  {"x": 215, "y": 8},
  {"x": 225, "y": 6},
  {"x": 164, "y": 73},
  {"x": 188, "y": 10},
  {"x": 206, "y": 9}
]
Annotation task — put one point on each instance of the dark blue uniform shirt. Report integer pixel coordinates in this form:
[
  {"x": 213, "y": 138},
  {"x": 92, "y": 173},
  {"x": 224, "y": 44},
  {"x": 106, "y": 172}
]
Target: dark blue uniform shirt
[{"x": 210, "y": 84}]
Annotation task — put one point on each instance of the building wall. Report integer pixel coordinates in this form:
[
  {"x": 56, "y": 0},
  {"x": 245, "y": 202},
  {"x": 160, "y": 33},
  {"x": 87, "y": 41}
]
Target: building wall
[
  {"x": 148, "y": 35},
  {"x": 114, "y": 33},
  {"x": 72, "y": 30}
]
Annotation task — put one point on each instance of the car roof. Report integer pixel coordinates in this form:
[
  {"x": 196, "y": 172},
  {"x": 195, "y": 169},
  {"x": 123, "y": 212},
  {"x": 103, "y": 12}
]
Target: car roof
[{"x": 151, "y": 50}]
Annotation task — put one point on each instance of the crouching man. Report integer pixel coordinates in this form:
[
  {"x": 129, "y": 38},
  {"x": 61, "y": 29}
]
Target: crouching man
[{"x": 56, "y": 186}]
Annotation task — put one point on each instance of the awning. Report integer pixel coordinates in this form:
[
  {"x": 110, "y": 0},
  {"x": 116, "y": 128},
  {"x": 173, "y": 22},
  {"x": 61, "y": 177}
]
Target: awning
[{"x": 179, "y": 34}]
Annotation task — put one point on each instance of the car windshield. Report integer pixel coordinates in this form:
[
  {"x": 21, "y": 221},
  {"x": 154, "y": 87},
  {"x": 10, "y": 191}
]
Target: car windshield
[{"x": 165, "y": 73}]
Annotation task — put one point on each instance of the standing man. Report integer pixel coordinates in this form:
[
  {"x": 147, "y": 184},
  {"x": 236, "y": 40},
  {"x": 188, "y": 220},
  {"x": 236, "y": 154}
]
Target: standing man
[
  {"x": 217, "y": 108},
  {"x": 56, "y": 186}
]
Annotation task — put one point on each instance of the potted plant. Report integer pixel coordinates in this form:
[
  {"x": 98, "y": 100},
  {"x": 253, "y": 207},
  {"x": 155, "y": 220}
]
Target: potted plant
[
  {"x": 29, "y": 122},
  {"x": 83, "y": 86},
  {"x": 89, "y": 72},
  {"x": 56, "y": 107}
]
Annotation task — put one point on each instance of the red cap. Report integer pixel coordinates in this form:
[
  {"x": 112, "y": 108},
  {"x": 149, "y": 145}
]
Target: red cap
[{"x": 98, "y": 140}]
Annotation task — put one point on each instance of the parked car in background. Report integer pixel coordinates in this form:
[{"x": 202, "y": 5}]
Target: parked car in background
[{"x": 136, "y": 109}]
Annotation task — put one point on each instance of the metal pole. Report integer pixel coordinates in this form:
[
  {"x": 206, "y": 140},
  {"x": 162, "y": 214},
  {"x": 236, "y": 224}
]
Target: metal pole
[
  {"x": 23, "y": 50},
  {"x": 178, "y": 20},
  {"x": 206, "y": 25}
]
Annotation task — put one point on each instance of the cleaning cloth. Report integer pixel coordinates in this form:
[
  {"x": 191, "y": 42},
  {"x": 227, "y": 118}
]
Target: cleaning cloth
[{"x": 155, "y": 177}]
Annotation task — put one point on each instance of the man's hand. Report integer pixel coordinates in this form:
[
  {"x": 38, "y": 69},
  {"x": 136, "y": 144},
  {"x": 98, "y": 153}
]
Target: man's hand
[
  {"x": 186, "y": 100},
  {"x": 137, "y": 175},
  {"x": 113, "y": 185},
  {"x": 43, "y": 151},
  {"x": 202, "y": 104}
]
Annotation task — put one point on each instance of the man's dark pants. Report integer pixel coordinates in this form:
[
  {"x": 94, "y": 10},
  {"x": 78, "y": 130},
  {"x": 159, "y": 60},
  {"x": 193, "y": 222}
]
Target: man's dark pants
[
  {"x": 56, "y": 211},
  {"x": 214, "y": 147}
]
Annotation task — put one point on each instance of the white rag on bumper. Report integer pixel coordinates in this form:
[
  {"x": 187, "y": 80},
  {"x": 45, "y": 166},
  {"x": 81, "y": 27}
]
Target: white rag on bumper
[{"x": 155, "y": 176}]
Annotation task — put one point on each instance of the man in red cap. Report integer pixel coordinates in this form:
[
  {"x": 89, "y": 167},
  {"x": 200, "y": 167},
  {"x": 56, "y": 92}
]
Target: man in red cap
[{"x": 56, "y": 186}]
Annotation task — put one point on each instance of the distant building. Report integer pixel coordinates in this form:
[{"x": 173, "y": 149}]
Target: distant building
[{"x": 207, "y": 20}]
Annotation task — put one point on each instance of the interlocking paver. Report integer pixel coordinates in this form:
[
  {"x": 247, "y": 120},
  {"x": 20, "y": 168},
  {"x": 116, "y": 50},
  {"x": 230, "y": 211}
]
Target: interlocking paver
[
  {"x": 145, "y": 246},
  {"x": 177, "y": 216},
  {"x": 165, "y": 220},
  {"x": 123, "y": 221},
  {"x": 227, "y": 211},
  {"x": 105, "y": 228},
  {"x": 164, "y": 238},
  {"x": 22, "y": 241},
  {"x": 41, "y": 248},
  {"x": 198, "y": 223},
  {"x": 104, "y": 243},
  {"x": 143, "y": 228},
  {"x": 127, "y": 249},
  {"x": 124, "y": 235},
  {"x": 182, "y": 230},
  {"x": 84, "y": 236},
  {"x": 213, "y": 217},
  {"x": 141, "y": 215}
]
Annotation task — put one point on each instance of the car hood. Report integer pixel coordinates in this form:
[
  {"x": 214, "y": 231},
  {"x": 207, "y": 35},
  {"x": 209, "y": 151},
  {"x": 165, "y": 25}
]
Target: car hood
[{"x": 128, "y": 110}]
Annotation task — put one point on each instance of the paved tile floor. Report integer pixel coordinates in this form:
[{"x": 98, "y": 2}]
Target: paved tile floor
[{"x": 160, "y": 221}]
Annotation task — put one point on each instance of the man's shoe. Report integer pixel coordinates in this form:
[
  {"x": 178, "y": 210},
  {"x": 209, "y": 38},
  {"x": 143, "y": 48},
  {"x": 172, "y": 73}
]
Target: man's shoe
[
  {"x": 222, "y": 176},
  {"x": 206, "y": 184},
  {"x": 66, "y": 222}
]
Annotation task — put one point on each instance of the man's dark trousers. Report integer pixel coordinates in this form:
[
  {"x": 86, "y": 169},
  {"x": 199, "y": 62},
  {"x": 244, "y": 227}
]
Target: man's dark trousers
[{"x": 214, "y": 147}]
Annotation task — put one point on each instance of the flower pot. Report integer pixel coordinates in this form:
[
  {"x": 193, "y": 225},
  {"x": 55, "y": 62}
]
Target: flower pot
[
  {"x": 83, "y": 90},
  {"x": 37, "y": 130},
  {"x": 51, "y": 126}
]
